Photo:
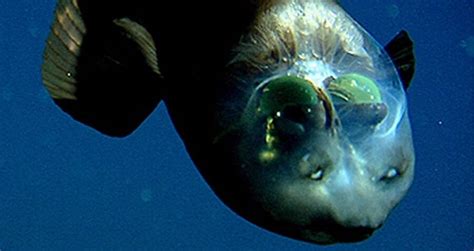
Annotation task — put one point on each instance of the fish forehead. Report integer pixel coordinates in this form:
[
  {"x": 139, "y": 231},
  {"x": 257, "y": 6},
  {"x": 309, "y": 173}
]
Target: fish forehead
[
  {"x": 299, "y": 24},
  {"x": 317, "y": 19},
  {"x": 314, "y": 40}
]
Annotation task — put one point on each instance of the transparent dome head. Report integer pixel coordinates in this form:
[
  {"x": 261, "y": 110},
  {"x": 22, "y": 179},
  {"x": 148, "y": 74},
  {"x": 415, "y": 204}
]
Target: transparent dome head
[{"x": 362, "y": 85}]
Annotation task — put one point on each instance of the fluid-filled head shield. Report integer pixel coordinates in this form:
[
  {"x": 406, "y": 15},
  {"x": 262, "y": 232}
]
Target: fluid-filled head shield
[{"x": 316, "y": 127}]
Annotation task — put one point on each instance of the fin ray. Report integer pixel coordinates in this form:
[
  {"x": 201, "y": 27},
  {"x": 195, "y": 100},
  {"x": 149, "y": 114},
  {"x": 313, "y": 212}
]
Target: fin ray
[
  {"x": 400, "y": 50},
  {"x": 104, "y": 73}
]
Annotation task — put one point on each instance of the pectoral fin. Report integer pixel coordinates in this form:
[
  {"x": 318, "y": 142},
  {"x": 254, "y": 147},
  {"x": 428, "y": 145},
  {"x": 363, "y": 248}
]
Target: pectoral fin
[
  {"x": 400, "y": 50},
  {"x": 104, "y": 73}
]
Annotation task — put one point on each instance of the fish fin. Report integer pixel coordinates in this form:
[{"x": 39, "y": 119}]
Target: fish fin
[
  {"x": 105, "y": 74},
  {"x": 400, "y": 50}
]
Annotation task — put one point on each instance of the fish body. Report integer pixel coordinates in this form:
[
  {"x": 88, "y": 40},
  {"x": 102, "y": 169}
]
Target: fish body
[{"x": 294, "y": 115}]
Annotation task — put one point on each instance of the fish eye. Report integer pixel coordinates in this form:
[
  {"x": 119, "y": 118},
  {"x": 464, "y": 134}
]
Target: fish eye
[
  {"x": 358, "y": 102},
  {"x": 284, "y": 106},
  {"x": 354, "y": 88},
  {"x": 286, "y": 95},
  {"x": 286, "y": 102},
  {"x": 297, "y": 113}
]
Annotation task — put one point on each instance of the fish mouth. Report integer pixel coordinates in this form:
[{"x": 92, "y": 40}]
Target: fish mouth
[
  {"x": 339, "y": 234},
  {"x": 328, "y": 232}
]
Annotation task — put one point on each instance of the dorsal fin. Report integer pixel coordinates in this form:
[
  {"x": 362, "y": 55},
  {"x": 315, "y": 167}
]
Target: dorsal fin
[
  {"x": 400, "y": 50},
  {"x": 104, "y": 73}
]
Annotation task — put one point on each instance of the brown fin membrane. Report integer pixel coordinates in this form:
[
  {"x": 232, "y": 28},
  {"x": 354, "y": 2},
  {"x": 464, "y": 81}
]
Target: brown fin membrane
[
  {"x": 400, "y": 50},
  {"x": 102, "y": 71}
]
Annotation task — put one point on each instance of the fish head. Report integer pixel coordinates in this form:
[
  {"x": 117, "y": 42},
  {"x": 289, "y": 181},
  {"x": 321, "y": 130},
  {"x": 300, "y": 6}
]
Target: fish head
[
  {"x": 318, "y": 145},
  {"x": 295, "y": 116}
]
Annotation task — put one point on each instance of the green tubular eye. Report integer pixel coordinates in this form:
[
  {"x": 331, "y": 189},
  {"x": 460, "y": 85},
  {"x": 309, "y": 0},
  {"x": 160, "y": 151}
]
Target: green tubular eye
[
  {"x": 286, "y": 91},
  {"x": 356, "y": 89},
  {"x": 284, "y": 104}
]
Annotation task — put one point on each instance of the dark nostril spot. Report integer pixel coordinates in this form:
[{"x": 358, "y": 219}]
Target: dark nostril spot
[
  {"x": 390, "y": 175},
  {"x": 317, "y": 175}
]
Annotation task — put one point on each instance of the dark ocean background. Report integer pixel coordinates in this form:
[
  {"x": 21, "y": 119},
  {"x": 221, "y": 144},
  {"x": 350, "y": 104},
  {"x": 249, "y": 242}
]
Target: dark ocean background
[{"x": 64, "y": 186}]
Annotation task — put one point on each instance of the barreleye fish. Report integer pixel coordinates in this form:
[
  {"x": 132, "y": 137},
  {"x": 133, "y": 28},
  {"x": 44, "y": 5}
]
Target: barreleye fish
[{"x": 294, "y": 115}]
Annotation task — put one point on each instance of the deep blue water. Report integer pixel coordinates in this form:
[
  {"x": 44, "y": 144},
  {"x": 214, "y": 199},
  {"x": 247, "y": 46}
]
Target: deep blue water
[{"x": 63, "y": 186}]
